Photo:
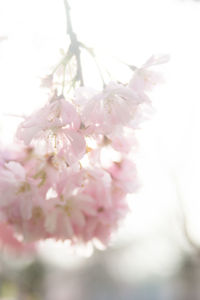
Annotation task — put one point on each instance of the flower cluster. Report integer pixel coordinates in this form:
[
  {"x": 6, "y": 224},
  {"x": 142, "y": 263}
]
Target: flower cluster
[{"x": 56, "y": 182}]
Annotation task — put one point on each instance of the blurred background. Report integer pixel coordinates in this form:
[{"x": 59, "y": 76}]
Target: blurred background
[{"x": 155, "y": 255}]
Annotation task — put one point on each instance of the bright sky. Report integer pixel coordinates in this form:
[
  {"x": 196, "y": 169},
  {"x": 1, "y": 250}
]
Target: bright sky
[{"x": 131, "y": 30}]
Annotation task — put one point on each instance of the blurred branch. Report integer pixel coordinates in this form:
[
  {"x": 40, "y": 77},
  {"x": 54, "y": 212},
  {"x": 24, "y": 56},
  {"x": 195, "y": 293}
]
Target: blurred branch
[
  {"x": 188, "y": 237},
  {"x": 193, "y": 244}
]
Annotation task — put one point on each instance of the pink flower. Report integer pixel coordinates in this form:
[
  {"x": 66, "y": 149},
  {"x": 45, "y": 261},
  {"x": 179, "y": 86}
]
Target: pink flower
[
  {"x": 97, "y": 184},
  {"x": 144, "y": 79},
  {"x": 12, "y": 177},
  {"x": 18, "y": 190},
  {"x": 53, "y": 116},
  {"x": 124, "y": 175},
  {"x": 123, "y": 141},
  {"x": 54, "y": 129},
  {"x": 105, "y": 111},
  {"x": 68, "y": 215},
  {"x": 73, "y": 145}
]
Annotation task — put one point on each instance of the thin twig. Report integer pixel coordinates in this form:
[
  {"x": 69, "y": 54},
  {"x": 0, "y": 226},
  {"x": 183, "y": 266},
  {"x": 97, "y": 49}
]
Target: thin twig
[
  {"x": 91, "y": 52},
  {"x": 132, "y": 67}
]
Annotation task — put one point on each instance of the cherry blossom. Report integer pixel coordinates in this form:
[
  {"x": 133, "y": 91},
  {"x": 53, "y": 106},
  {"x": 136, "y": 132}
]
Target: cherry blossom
[
  {"x": 144, "y": 78},
  {"x": 104, "y": 112},
  {"x": 54, "y": 181},
  {"x": 56, "y": 114}
]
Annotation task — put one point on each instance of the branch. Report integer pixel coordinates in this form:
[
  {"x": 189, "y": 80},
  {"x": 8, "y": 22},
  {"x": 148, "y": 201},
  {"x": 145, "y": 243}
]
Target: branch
[
  {"x": 193, "y": 244},
  {"x": 75, "y": 44}
]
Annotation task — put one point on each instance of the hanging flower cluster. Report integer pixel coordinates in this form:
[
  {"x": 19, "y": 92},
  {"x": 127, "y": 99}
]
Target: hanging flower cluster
[{"x": 55, "y": 182}]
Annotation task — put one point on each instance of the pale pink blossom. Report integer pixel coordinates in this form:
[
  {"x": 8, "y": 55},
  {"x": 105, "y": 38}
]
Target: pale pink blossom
[
  {"x": 53, "y": 116},
  {"x": 124, "y": 175},
  {"x": 123, "y": 141},
  {"x": 73, "y": 145},
  {"x": 144, "y": 78},
  {"x": 54, "y": 128},
  {"x": 12, "y": 177},
  {"x": 68, "y": 215},
  {"x": 107, "y": 110}
]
